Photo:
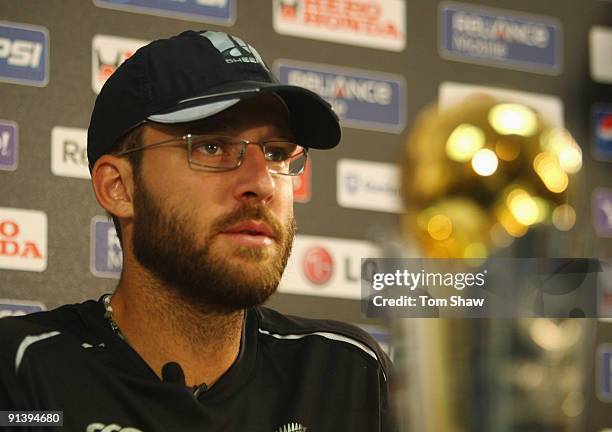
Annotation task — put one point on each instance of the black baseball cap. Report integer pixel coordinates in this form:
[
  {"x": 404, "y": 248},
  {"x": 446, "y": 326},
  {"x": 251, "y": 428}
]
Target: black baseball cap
[{"x": 195, "y": 75}]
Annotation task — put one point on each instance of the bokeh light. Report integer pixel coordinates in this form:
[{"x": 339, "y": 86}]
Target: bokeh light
[
  {"x": 484, "y": 162},
  {"x": 564, "y": 217},
  {"x": 549, "y": 170},
  {"x": 475, "y": 250},
  {"x": 440, "y": 227},
  {"x": 513, "y": 119},
  {"x": 464, "y": 141},
  {"x": 524, "y": 208},
  {"x": 570, "y": 159}
]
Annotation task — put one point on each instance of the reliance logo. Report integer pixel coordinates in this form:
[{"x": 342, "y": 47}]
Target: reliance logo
[
  {"x": 69, "y": 152},
  {"x": 362, "y": 99},
  {"x": 501, "y": 38}
]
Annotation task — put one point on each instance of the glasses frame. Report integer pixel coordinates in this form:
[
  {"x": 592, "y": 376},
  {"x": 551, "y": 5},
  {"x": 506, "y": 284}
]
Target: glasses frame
[{"x": 189, "y": 138}]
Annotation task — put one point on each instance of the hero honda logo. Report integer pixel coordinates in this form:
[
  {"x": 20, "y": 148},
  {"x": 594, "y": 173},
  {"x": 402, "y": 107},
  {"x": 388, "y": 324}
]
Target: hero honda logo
[
  {"x": 372, "y": 23},
  {"x": 8, "y": 145},
  {"x": 23, "y": 239},
  {"x": 24, "y": 54},
  {"x": 107, "y": 54},
  {"x": 233, "y": 49},
  {"x": 106, "y": 255},
  {"x": 500, "y": 38},
  {"x": 362, "y": 99}
]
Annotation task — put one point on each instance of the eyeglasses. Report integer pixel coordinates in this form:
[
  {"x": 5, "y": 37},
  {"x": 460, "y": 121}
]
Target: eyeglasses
[{"x": 218, "y": 153}]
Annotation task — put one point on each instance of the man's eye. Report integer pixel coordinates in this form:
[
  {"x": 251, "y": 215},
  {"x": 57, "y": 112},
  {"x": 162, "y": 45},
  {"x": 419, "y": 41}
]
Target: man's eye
[
  {"x": 211, "y": 149},
  {"x": 277, "y": 155}
]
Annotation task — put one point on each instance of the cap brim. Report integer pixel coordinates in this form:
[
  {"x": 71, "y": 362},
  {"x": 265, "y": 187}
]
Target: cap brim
[
  {"x": 194, "y": 113},
  {"x": 313, "y": 122}
]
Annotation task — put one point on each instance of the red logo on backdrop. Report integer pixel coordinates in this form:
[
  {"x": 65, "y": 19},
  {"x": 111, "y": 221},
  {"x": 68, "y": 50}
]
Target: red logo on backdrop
[
  {"x": 318, "y": 265},
  {"x": 350, "y": 15},
  {"x": 302, "y": 185},
  {"x": 105, "y": 70},
  {"x": 10, "y": 246},
  {"x": 289, "y": 8},
  {"x": 604, "y": 128}
]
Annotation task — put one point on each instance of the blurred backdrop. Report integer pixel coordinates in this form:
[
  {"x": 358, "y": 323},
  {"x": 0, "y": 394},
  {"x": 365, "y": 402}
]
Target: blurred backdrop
[{"x": 470, "y": 129}]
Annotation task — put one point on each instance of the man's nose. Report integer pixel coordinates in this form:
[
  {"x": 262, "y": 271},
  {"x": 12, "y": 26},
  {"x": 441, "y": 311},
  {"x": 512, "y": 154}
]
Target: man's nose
[{"x": 254, "y": 181}]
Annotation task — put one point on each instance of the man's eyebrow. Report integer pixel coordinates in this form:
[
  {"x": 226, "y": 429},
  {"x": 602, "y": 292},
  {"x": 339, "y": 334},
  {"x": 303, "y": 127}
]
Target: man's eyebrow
[
  {"x": 212, "y": 127},
  {"x": 221, "y": 128}
]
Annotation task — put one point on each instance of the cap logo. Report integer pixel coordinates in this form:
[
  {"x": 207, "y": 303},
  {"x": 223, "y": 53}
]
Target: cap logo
[{"x": 233, "y": 49}]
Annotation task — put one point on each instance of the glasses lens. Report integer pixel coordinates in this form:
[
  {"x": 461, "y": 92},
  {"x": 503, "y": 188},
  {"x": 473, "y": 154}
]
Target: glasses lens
[
  {"x": 285, "y": 157},
  {"x": 216, "y": 151}
]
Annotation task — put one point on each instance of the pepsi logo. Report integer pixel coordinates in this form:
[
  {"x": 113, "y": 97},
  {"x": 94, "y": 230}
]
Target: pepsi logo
[
  {"x": 24, "y": 54},
  {"x": 602, "y": 132},
  {"x": 604, "y": 127}
]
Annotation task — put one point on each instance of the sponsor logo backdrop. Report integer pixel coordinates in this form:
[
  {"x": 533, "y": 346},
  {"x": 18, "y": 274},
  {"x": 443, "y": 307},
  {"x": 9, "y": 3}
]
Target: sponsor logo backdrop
[
  {"x": 378, "y": 62},
  {"x": 371, "y": 23},
  {"x": 9, "y": 145},
  {"x": 362, "y": 99},
  {"x": 24, "y": 54},
  {"x": 501, "y": 38}
]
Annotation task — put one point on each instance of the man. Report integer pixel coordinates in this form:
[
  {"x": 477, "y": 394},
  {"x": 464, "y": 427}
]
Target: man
[{"x": 192, "y": 145}]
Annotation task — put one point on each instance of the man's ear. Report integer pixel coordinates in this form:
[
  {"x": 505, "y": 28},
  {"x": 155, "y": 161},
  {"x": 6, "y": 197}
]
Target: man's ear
[{"x": 113, "y": 183}]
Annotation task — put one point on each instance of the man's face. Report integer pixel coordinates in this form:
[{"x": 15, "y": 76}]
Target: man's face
[{"x": 216, "y": 239}]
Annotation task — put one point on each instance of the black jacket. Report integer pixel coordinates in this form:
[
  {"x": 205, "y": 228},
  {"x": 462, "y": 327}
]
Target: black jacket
[{"x": 291, "y": 375}]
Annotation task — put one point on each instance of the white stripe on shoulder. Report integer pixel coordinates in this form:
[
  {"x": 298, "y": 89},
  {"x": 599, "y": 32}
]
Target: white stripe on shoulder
[
  {"x": 326, "y": 335},
  {"x": 26, "y": 342}
]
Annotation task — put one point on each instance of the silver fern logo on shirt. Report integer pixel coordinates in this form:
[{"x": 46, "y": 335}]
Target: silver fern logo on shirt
[
  {"x": 100, "y": 427},
  {"x": 292, "y": 427}
]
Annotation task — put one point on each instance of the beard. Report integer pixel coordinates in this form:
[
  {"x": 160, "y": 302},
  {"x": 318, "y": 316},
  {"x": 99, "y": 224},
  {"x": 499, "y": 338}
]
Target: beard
[{"x": 164, "y": 242}]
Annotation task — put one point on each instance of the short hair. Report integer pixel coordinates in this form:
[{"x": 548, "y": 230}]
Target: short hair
[{"x": 130, "y": 140}]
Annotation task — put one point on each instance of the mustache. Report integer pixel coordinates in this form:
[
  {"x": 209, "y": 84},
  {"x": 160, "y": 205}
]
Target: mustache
[{"x": 245, "y": 213}]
